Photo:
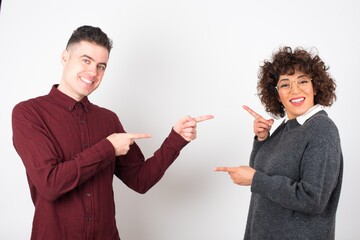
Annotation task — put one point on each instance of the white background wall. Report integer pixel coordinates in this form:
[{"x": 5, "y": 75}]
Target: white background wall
[{"x": 173, "y": 58}]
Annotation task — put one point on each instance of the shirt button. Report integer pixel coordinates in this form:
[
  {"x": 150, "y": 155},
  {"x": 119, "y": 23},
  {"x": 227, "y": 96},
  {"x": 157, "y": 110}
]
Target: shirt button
[
  {"x": 88, "y": 194},
  {"x": 89, "y": 219}
]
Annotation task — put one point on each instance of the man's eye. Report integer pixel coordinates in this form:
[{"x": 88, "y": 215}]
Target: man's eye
[
  {"x": 87, "y": 61},
  {"x": 102, "y": 67}
]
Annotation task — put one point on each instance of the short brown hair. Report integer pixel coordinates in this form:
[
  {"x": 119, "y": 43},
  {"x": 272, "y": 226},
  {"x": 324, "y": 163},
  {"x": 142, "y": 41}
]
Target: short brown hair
[{"x": 90, "y": 34}]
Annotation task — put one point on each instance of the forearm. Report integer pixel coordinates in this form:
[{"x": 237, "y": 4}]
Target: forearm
[
  {"x": 305, "y": 195},
  {"x": 53, "y": 177},
  {"x": 256, "y": 147},
  {"x": 141, "y": 175}
]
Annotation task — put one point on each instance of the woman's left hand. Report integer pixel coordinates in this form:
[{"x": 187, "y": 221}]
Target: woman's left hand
[{"x": 242, "y": 175}]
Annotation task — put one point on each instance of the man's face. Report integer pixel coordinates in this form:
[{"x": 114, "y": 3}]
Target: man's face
[{"x": 84, "y": 65}]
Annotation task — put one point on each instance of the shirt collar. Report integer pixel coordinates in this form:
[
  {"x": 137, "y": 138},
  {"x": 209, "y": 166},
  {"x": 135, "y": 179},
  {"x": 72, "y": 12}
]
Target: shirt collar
[
  {"x": 66, "y": 101},
  {"x": 309, "y": 113}
]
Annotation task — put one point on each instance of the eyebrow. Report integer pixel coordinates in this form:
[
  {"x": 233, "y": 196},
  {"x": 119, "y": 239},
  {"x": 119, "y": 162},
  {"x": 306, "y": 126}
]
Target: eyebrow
[
  {"x": 92, "y": 59},
  {"x": 286, "y": 79}
]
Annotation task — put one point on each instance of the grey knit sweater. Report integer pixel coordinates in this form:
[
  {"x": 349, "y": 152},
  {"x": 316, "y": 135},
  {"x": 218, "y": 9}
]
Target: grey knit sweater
[{"x": 296, "y": 187}]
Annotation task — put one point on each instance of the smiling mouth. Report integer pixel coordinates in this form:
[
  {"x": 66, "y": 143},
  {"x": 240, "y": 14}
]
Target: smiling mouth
[
  {"x": 87, "y": 81},
  {"x": 297, "y": 100}
]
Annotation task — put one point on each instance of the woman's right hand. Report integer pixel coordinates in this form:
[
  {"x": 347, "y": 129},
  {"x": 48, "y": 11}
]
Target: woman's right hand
[{"x": 261, "y": 125}]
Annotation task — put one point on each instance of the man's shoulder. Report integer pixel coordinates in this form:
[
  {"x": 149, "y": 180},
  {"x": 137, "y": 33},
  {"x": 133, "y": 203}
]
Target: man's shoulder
[
  {"x": 31, "y": 102},
  {"x": 101, "y": 110},
  {"x": 30, "y": 107}
]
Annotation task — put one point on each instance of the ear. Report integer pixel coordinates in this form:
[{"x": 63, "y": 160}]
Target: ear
[
  {"x": 64, "y": 57},
  {"x": 314, "y": 91}
]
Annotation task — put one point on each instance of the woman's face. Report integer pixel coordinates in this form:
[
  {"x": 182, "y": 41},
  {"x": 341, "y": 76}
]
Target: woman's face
[{"x": 296, "y": 93}]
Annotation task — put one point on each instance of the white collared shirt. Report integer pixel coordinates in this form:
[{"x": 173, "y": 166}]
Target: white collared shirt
[{"x": 313, "y": 110}]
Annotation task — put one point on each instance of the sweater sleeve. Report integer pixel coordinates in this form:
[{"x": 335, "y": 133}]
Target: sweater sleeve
[
  {"x": 141, "y": 175},
  {"x": 256, "y": 146},
  {"x": 319, "y": 173}
]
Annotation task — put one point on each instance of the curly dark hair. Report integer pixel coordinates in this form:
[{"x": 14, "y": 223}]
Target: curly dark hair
[
  {"x": 287, "y": 61},
  {"x": 90, "y": 34}
]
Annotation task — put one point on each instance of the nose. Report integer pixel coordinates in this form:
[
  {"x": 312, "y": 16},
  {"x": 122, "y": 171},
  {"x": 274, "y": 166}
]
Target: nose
[
  {"x": 294, "y": 87},
  {"x": 92, "y": 69}
]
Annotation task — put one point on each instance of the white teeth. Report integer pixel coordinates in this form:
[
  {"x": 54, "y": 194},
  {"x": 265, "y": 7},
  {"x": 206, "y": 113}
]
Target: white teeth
[
  {"x": 86, "y": 80},
  {"x": 297, "y": 100}
]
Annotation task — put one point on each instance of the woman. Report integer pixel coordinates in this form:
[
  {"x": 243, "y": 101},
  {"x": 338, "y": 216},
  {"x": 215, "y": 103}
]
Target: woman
[{"x": 295, "y": 173}]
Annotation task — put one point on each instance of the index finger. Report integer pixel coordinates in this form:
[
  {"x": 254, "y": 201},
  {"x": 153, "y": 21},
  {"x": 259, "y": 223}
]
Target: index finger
[
  {"x": 224, "y": 169},
  {"x": 203, "y": 118},
  {"x": 252, "y": 112},
  {"x": 138, "y": 135}
]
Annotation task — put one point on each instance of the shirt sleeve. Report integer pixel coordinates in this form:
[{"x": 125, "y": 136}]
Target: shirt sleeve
[
  {"x": 320, "y": 170},
  {"x": 46, "y": 170},
  {"x": 141, "y": 175}
]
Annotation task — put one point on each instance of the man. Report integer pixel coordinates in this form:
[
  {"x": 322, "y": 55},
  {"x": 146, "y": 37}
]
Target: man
[{"x": 71, "y": 148}]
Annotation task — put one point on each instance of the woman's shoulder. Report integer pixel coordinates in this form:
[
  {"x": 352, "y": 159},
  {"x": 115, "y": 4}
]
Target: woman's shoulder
[
  {"x": 323, "y": 128},
  {"x": 321, "y": 120}
]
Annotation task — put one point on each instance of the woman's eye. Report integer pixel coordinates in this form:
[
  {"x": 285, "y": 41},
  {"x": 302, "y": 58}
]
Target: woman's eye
[
  {"x": 304, "y": 82},
  {"x": 284, "y": 85}
]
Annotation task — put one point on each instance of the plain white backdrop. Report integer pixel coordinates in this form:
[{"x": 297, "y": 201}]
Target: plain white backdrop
[{"x": 170, "y": 59}]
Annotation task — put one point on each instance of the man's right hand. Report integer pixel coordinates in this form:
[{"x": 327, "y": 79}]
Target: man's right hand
[{"x": 122, "y": 141}]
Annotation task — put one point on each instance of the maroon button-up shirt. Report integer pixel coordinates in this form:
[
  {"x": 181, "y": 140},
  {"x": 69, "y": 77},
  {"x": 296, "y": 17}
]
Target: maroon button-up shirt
[{"x": 70, "y": 165}]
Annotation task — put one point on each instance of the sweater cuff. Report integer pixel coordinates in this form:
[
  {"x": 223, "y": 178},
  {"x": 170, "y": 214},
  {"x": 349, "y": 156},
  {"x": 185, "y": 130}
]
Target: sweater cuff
[
  {"x": 259, "y": 183},
  {"x": 257, "y": 144}
]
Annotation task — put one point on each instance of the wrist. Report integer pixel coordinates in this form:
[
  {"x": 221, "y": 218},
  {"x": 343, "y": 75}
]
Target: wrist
[{"x": 261, "y": 139}]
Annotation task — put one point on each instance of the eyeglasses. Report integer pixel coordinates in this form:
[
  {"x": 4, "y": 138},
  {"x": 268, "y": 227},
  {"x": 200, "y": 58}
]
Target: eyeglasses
[{"x": 284, "y": 86}]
